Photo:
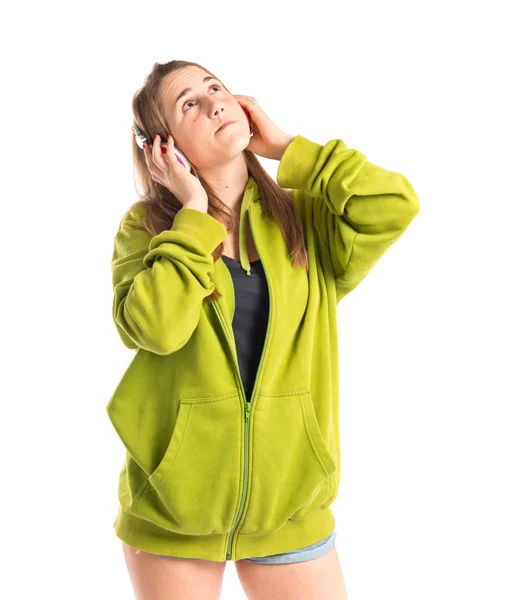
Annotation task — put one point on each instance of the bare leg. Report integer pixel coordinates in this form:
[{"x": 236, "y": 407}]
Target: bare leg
[
  {"x": 156, "y": 577},
  {"x": 317, "y": 579}
]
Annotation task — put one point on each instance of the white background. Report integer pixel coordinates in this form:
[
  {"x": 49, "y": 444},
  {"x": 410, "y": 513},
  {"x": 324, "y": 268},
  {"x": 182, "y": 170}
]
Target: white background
[{"x": 419, "y": 88}]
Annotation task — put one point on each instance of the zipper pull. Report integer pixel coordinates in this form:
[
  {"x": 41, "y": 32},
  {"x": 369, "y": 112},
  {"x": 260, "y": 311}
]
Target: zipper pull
[{"x": 247, "y": 410}]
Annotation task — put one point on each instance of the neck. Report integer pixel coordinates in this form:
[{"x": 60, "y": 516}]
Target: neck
[{"x": 229, "y": 181}]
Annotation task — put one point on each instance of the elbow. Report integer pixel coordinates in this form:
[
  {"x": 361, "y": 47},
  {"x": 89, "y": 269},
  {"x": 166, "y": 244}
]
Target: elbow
[
  {"x": 164, "y": 345},
  {"x": 407, "y": 209},
  {"x": 138, "y": 333},
  {"x": 415, "y": 205},
  {"x": 160, "y": 339},
  {"x": 411, "y": 198},
  {"x": 412, "y": 210},
  {"x": 165, "y": 338},
  {"x": 155, "y": 341},
  {"x": 151, "y": 331}
]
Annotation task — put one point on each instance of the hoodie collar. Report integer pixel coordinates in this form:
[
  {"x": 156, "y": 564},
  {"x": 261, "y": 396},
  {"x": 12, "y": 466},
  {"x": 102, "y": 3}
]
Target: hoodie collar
[{"x": 251, "y": 194}]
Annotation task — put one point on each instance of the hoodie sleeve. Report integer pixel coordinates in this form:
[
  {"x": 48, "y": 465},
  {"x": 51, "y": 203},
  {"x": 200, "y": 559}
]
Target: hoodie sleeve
[
  {"x": 160, "y": 281},
  {"x": 359, "y": 209}
]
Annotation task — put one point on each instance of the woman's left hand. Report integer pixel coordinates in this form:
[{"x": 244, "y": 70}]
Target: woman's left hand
[{"x": 267, "y": 140}]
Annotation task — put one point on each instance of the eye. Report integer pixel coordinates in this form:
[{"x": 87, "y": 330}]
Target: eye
[{"x": 188, "y": 101}]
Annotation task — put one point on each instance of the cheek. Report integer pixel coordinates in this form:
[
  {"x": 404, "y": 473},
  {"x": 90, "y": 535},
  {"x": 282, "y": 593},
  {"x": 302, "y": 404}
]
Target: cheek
[{"x": 195, "y": 147}]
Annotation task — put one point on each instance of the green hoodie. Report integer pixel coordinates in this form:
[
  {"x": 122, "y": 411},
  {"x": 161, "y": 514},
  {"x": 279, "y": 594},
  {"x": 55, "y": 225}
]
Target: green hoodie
[{"x": 209, "y": 474}]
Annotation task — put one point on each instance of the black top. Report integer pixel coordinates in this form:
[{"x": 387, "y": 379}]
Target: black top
[{"x": 250, "y": 317}]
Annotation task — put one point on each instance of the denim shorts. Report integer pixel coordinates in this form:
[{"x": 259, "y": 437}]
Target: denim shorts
[{"x": 302, "y": 554}]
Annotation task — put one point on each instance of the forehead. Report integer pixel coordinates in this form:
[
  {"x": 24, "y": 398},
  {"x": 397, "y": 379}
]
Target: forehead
[{"x": 175, "y": 83}]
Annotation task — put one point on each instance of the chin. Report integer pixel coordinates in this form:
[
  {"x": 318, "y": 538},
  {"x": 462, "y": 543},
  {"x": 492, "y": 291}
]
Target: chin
[{"x": 235, "y": 144}]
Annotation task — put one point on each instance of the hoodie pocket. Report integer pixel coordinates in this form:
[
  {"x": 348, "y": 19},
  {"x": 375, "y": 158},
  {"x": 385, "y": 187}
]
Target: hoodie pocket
[
  {"x": 195, "y": 487},
  {"x": 292, "y": 470}
]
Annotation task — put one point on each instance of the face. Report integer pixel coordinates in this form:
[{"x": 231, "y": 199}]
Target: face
[{"x": 193, "y": 118}]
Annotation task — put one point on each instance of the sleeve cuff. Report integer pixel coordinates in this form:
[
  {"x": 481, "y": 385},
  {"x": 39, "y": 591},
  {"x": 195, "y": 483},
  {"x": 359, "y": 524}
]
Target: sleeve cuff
[{"x": 204, "y": 228}]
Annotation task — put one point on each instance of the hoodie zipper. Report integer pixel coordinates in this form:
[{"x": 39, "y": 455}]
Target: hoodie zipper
[
  {"x": 247, "y": 425},
  {"x": 248, "y": 405}
]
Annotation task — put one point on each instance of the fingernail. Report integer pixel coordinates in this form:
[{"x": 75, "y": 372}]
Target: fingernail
[{"x": 143, "y": 146}]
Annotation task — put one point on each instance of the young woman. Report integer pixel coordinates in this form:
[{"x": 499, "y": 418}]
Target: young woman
[{"x": 226, "y": 283}]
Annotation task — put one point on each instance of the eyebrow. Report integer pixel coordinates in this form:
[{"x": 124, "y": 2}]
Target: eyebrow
[{"x": 184, "y": 92}]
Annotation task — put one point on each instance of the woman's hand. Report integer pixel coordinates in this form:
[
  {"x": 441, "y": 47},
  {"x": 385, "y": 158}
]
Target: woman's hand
[
  {"x": 268, "y": 141},
  {"x": 169, "y": 172}
]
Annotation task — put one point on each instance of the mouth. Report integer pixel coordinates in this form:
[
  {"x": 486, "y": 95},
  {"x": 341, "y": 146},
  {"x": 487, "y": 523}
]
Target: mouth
[{"x": 225, "y": 124}]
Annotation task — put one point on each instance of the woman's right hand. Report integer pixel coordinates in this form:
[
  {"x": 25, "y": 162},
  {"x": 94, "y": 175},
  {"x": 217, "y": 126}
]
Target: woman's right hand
[{"x": 169, "y": 172}]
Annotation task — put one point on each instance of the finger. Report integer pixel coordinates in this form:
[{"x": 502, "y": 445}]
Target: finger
[
  {"x": 248, "y": 99},
  {"x": 251, "y": 103},
  {"x": 170, "y": 150},
  {"x": 242, "y": 99},
  {"x": 154, "y": 170},
  {"x": 157, "y": 154},
  {"x": 173, "y": 160},
  {"x": 156, "y": 147},
  {"x": 148, "y": 155},
  {"x": 149, "y": 158}
]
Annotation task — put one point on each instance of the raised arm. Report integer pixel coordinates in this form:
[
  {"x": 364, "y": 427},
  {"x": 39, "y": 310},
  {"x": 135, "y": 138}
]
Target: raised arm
[
  {"x": 160, "y": 281},
  {"x": 359, "y": 209}
]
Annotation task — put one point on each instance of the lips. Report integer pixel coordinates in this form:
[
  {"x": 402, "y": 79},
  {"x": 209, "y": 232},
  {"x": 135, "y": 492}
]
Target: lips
[{"x": 225, "y": 123}]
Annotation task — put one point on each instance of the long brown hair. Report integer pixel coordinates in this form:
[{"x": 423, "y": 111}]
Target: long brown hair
[{"x": 161, "y": 206}]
